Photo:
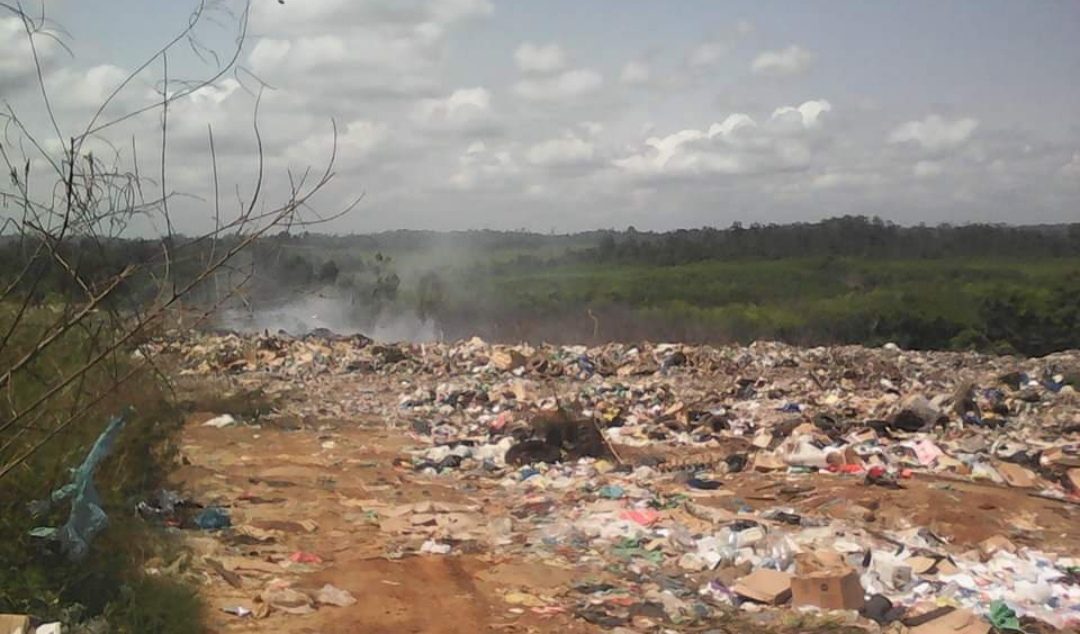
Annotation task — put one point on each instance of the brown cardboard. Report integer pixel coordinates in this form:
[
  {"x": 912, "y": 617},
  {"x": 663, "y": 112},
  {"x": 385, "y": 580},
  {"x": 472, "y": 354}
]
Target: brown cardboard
[
  {"x": 991, "y": 545},
  {"x": 765, "y": 461},
  {"x": 14, "y": 624},
  {"x": 825, "y": 581},
  {"x": 507, "y": 360},
  {"x": 1017, "y": 476},
  {"x": 921, "y": 565},
  {"x": 946, "y": 567},
  {"x": 762, "y": 440},
  {"x": 959, "y": 621},
  {"x": 765, "y": 586},
  {"x": 730, "y": 574},
  {"x": 1074, "y": 478}
]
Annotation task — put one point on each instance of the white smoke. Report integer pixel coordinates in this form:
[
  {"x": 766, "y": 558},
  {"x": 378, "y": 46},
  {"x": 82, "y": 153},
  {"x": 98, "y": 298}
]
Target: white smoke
[{"x": 307, "y": 313}]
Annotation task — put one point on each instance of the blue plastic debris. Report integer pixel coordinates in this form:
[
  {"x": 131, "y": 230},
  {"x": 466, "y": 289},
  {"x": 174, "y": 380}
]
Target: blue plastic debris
[
  {"x": 790, "y": 408},
  {"x": 586, "y": 365},
  {"x": 611, "y": 491},
  {"x": 87, "y": 518},
  {"x": 702, "y": 484},
  {"x": 213, "y": 518}
]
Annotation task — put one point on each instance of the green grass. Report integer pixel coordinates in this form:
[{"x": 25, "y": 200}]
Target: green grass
[{"x": 35, "y": 579}]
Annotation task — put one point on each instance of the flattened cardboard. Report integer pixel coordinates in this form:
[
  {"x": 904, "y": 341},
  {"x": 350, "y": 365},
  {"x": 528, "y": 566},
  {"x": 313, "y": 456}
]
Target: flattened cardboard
[
  {"x": 771, "y": 587},
  {"x": 921, "y": 565},
  {"x": 1017, "y": 476},
  {"x": 1074, "y": 479},
  {"x": 991, "y": 545},
  {"x": 959, "y": 621},
  {"x": 765, "y": 461}
]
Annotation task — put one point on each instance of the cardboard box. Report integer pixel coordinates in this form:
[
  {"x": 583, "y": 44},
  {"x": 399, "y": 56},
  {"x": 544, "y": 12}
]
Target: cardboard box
[
  {"x": 771, "y": 587},
  {"x": 825, "y": 581},
  {"x": 14, "y": 624}
]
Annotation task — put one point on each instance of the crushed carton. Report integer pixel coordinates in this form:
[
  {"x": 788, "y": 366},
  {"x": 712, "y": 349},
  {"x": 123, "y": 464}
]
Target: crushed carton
[
  {"x": 822, "y": 579},
  {"x": 958, "y": 621},
  {"x": 770, "y": 587}
]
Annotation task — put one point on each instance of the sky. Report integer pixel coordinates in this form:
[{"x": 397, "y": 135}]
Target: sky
[{"x": 566, "y": 115}]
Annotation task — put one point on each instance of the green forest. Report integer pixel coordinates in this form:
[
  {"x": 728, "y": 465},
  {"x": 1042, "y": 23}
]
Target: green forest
[{"x": 993, "y": 288}]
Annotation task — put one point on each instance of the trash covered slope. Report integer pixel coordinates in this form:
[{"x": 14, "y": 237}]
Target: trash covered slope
[{"x": 651, "y": 487}]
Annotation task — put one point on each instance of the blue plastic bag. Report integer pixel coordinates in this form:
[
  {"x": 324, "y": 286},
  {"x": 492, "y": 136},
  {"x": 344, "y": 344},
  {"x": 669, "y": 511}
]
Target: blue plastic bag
[{"x": 87, "y": 518}]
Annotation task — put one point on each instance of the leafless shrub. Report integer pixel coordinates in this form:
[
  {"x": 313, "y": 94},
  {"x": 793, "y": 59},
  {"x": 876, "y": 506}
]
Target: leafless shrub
[{"x": 64, "y": 209}]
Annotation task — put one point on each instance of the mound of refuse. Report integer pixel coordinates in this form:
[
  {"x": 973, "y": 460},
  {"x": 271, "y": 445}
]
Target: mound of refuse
[{"x": 909, "y": 491}]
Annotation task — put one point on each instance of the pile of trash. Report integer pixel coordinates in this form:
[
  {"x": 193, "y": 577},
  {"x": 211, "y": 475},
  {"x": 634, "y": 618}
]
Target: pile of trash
[{"x": 696, "y": 480}]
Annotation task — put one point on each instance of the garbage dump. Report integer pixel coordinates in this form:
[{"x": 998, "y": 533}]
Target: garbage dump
[{"x": 680, "y": 486}]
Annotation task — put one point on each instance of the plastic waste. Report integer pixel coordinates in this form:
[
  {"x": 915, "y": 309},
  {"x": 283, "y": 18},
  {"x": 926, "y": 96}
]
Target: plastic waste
[
  {"x": 332, "y": 595},
  {"x": 611, "y": 492},
  {"x": 301, "y": 557},
  {"x": 805, "y": 454},
  {"x": 433, "y": 547},
  {"x": 1002, "y": 617},
  {"x": 702, "y": 484},
  {"x": 779, "y": 552},
  {"x": 87, "y": 518},
  {"x": 213, "y": 518},
  {"x": 219, "y": 422}
]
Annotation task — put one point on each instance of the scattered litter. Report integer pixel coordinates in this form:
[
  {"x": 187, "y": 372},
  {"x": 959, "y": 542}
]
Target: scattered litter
[
  {"x": 676, "y": 482},
  {"x": 301, "y": 557},
  {"x": 219, "y": 422},
  {"x": 237, "y": 610},
  {"x": 213, "y": 518},
  {"x": 331, "y": 595},
  {"x": 770, "y": 587},
  {"x": 87, "y": 518}
]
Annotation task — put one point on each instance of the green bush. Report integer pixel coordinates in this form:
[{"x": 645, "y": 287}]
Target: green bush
[{"x": 35, "y": 578}]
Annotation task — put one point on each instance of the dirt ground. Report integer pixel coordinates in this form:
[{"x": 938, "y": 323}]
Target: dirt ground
[
  {"x": 291, "y": 477},
  {"x": 275, "y": 479}
]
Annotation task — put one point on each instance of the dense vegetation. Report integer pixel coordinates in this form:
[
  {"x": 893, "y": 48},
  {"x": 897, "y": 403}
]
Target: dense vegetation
[
  {"x": 110, "y": 584},
  {"x": 1028, "y": 306},
  {"x": 842, "y": 280}
]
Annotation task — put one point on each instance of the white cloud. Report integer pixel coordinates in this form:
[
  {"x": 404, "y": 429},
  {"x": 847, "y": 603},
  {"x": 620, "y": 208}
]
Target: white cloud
[
  {"x": 568, "y": 85},
  {"x": 16, "y": 57},
  {"x": 329, "y": 15},
  {"x": 84, "y": 88},
  {"x": 842, "y": 179},
  {"x": 927, "y": 169},
  {"x": 1070, "y": 171},
  {"x": 466, "y": 108},
  {"x": 708, "y": 54},
  {"x": 787, "y": 61},
  {"x": 454, "y": 10},
  {"x": 480, "y": 167},
  {"x": 935, "y": 133},
  {"x": 416, "y": 89},
  {"x": 806, "y": 115},
  {"x": 737, "y": 145},
  {"x": 357, "y": 142},
  {"x": 635, "y": 73},
  {"x": 540, "y": 58},
  {"x": 562, "y": 152}
]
